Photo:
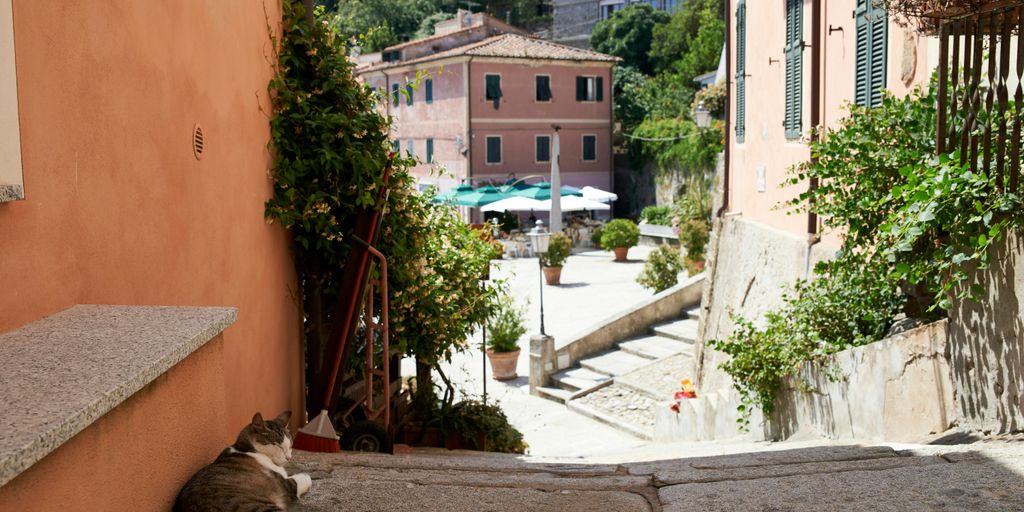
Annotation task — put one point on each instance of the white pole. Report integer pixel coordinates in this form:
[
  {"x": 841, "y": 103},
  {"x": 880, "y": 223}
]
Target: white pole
[{"x": 556, "y": 186}]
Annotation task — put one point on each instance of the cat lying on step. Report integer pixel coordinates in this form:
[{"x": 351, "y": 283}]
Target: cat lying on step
[{"x": 248, "y": 475}]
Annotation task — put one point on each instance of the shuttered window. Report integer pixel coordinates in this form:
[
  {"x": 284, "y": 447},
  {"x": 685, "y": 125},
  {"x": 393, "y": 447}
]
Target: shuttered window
[
  {"x": 409, "y": 149},
  {"x": 872, "y": 42},
  {"x": 543, "y": 148},
  {"x": 428, "y": 86},
  {"x": 543, "y": 83},
  {"x": 493, "y": 88},
  {"x": 430, "y": 151},
  {"x": 589, "y": 148},
  {"x": 589, "y": 88},
  {"x": 394, "y": 95},
  {"x": 794, "y": 68},
  {"x": 741, "y": 70},
  {"x": 494, "y": 150}
]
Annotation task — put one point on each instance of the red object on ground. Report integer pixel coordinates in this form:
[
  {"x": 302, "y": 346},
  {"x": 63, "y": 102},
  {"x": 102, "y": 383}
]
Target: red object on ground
[{"x": 317, "y": 436}]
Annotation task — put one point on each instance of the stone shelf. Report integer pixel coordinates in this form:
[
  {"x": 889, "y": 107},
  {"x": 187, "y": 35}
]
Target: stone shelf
[{"x": 63, "y": 372}]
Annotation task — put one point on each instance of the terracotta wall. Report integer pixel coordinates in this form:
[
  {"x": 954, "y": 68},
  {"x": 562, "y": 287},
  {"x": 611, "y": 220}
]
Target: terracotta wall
[
  {"x": 765, "y": 144},
  {"x": 119, "y": 211}
]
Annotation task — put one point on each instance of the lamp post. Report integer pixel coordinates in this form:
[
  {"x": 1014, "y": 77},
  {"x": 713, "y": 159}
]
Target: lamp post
[{"x": 539, "y": 239}]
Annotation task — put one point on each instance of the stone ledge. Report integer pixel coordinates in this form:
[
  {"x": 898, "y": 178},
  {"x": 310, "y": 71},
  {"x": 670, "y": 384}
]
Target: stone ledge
[
  {"x": 11, "y": 193},
  {"x": 65, "y": 371}
]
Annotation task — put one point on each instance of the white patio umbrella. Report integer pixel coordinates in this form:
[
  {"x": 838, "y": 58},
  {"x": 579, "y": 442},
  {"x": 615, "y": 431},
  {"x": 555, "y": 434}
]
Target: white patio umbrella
[
  {"x": 517, "y": 204},
  {"x": 596, "y": 194},
  {"x": 575, "y": 204}
]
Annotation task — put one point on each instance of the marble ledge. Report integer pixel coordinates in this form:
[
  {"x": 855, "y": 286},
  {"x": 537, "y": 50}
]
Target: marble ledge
[{"x": 65, "y": 371}]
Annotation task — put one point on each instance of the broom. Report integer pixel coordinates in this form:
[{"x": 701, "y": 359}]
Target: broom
[{"x": 318, "y": 436}]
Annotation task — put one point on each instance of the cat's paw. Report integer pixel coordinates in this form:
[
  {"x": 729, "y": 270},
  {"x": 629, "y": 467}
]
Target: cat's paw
[{"x": 303, "y": 483}]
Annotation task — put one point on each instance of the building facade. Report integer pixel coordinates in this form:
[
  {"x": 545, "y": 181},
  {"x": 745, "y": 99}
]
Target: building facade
[
  {"x": 487, "y": 104},
  {"x": 574, "y": 20}
]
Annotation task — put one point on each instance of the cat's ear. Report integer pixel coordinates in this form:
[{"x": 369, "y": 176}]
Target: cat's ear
[
  {"x": 282, "y": 419},
  {"x": 257, "y": 420}
]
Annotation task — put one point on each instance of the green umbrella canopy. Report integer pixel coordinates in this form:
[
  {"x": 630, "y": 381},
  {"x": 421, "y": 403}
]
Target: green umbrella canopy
[
  {"x": 479, "y": 197},
  {"x": 542, "y": 191},
  {"x": 452, "y": 194}
]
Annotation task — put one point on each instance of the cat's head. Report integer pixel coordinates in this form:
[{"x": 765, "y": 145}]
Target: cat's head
[{"x": 269, "y": 437}]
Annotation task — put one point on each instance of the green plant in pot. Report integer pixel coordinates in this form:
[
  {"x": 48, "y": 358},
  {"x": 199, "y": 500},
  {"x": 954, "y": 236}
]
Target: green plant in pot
[
  {"x": 619, "y": 235},
  {"x": 504, "y": 328},
  {"x": 694, "y": 234},
  {"x": 559, "y": 247}
]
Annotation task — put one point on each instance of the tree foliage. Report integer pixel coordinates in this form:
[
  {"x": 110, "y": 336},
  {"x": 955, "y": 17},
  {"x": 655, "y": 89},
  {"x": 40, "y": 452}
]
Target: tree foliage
[
  {"x": 627, "y": 34},
  {"x": 672, "y": 40}
]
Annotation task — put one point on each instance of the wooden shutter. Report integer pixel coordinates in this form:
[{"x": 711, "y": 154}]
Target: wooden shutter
[
  {"x": 794, "y": 68},
  {"x": 599, "y": 85},
  {"x": 430, "y": 151},
  {"x": 493, "y": 150},
  {"x": 543, "y": 149},
  {"x": 589, "y": 148},
  {"x": 741, "y": 70},
  {"x": 872, "y": 42},
  {"x": 394, "y": 95},
  {"x": 429, "y": 90},
  {"x": 581, "y": 88},
  {"x": 409, "y": 94}
]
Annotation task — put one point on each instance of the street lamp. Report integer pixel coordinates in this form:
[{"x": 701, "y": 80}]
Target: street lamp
[
  {"x": 702, "y": 116},
  {"x": 539, "y": 239}
]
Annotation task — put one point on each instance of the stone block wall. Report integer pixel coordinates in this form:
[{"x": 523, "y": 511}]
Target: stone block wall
[{"x": 574, "y": 20}]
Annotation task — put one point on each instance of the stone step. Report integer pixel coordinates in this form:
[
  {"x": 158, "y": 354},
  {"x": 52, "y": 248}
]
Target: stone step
[
  {"x": 557, "y": 394},
  {"x": 614, "y": 363},
  {"x": 576, "y": 379},
  {"x": 655, "y": 347},
  {"x": 693, "y": 313},
  {"x": 683, "y": 330}
]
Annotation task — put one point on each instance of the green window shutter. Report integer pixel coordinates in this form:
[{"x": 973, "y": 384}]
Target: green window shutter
[
  {"x": 581, "y": 88},
  {"x": 493, "y": 92},
  {"x": 543, "y": 149},
  {"x": 394, "y": 95},
  {"x": 599, "y": 86},
  {"x": 741, "y": 70},
  {"x": 543, "y": 88},
  {"x": 494, "y": 150},
  {"x": 409, "y": 149},
  {"x": 589, "y": 148},
  {"x": 879, "y": 23},
  {"x": 395, "y": 146},
  {"x": 430, "y": 151},
  {"x": 409, "y": 94},
  {"x": 794, "y": 68},
  {"x": 429, "y": 91},
  {"x": 861, "y": 95}
]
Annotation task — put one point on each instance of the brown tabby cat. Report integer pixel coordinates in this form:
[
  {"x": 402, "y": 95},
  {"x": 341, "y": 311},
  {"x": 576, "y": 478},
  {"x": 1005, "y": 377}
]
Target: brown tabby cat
[{"x": 248, "y": 475}]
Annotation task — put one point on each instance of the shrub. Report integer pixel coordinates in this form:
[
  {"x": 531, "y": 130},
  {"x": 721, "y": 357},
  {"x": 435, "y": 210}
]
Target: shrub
[
  {"x": 662, "y": 269},
  {"x": 714, "y": 99},
  {"x": 505, "y": 326},
  {"x": 619, "y": 233},
  {"x": 658, "y": 215},
  {"x": 595, "y": 236},
  {"x": 559, "y": 248},
  {"x": 471, "y": 418},
  {"x": 694, "y": 234}
]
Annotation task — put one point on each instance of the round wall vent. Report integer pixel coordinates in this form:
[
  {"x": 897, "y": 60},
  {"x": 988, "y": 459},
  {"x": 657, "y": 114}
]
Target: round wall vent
[{"x": 198, "y": 141}]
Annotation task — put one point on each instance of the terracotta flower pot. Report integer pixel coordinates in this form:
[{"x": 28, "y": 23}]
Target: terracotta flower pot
[
  {"x": 503, "y": 364},
  {"x": 620, "y": 253},
  {"x": 553, "y": 275}
]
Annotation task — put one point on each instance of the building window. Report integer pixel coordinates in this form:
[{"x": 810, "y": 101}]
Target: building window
[
  {"x": 429, "y": 90},
  {"x": 589, "y": 148},
  {"x": 872, "y": 42},
  {"x": 543, "y": 83},
  {"x": 741, "y": 70},
  {"x": 543, "y": 149},
  {"x": 589, "y": 88},
  {"x": 396, "y": 146},
  {"x": 394, "y": 95},
  {"x": 794, "y": 67},
  {"x": 409, "y": 93},
  {"x": 12, "y": 186},
  {"x": 430, "y": 151},
  {"x": 409, "y": 149},
  {"x": 492, "y": 90},
  {"x": 494, "y": 150},
  {"x": 608, "y": 7}
]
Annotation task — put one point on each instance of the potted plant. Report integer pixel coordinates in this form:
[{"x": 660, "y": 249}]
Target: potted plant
[
  {"x": 559, "y": 247},
  {"x": 619, "y": 235},
  {"x": 504, "y": 328}
]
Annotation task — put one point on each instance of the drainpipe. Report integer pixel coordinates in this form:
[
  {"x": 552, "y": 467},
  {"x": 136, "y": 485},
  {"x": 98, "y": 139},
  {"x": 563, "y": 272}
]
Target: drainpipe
[
  {"x": 729, "y": 98},
  {"x": 816, "y": 52}
]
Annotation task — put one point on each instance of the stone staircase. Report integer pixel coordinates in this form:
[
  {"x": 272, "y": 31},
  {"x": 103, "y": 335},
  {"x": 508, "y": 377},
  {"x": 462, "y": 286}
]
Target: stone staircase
[{"x": 622, "y": 387}]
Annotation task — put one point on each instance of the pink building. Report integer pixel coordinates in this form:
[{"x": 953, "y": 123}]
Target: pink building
[{"x": 487, "y": 101}]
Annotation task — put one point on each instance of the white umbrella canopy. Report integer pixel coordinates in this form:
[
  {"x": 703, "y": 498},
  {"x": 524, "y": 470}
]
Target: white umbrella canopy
[
  {"x": 575, "y": 204},
  {"x": 596, "y": 194},
  {"x": 517, "y": 204}
]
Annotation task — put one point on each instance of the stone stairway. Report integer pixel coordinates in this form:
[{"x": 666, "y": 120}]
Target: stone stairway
[{"x": 622, "y": 387}]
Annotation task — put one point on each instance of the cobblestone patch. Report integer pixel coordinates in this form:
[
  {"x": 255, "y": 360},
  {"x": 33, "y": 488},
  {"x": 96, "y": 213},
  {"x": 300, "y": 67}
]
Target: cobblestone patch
[
  {"x": 660, "y": 379},
  {"x": 625, "y": 404}
]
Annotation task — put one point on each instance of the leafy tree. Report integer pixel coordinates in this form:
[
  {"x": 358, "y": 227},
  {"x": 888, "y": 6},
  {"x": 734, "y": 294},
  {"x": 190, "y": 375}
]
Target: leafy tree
[
  {"x": 427, "y": 25},
  {"x": 630, "y": 110},
  {"x": 704, "y": 51},
  {"x": 672, "y": 40},
  {"x": 354, "y": 18},
  {"x": 627, "y": 34}
]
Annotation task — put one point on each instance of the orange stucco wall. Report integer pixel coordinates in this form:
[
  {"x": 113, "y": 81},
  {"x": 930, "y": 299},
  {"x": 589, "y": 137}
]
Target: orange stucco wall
[
  {"x": 119, "y": 211},
  {"x": 130, "y": 459}
]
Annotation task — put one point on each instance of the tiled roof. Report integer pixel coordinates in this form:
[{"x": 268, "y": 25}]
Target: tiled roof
[{"x": 510, "y": 46}]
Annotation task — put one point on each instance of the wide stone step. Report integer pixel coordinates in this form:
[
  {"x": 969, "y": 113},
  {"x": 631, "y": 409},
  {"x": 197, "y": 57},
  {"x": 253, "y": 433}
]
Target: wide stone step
[
  {"x": 575, "y": 379},
  {"x": 614, "y": 363},
  {"x": 556, "y": 394},
  {"x": 655, "y": 347},
  {"x": 682, "y": 330},
  {"x": 693, "y": 313}
]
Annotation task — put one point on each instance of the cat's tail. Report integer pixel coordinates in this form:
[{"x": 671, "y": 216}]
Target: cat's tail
[{"x": 318, "y": 436}]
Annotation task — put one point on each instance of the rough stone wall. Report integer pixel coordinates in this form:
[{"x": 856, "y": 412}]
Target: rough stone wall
[
  {"x": 574, "y": 20},
  {"x": 987, "y": 345}
]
